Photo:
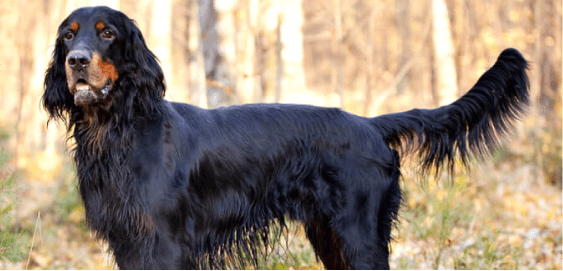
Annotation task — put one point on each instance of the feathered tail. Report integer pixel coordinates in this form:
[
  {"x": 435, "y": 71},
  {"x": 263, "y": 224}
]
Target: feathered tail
[{"x": 471, "y": 126}]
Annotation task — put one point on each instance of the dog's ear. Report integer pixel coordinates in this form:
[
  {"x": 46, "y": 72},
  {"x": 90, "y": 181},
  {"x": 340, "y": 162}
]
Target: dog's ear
[
  {"x": 150, "y": 76},
  {"x": 57, "y": 99}
]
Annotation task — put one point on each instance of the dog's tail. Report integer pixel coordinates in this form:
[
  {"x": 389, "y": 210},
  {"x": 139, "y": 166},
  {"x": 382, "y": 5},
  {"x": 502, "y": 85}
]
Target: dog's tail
[{"x": 471, "y": 126}]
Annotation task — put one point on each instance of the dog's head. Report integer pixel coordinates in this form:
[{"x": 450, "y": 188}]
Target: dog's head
[{"x": 96, "y": 48}]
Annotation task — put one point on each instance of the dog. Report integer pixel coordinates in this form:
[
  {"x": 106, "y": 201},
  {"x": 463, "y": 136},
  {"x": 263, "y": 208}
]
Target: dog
[{"x": 175, "y": 186}]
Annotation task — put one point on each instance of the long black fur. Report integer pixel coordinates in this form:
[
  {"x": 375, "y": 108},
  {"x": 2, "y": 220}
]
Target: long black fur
[{"x": 171, "y": 185}]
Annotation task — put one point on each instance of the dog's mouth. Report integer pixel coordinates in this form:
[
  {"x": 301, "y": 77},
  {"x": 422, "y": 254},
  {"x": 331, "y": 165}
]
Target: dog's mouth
[{"x": 85, "y": 94}]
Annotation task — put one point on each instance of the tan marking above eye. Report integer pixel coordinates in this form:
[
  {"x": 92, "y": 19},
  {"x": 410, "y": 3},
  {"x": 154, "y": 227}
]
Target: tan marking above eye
[
  {"x": 74, "y": 26},
  {"x": 100, "y": 26}
]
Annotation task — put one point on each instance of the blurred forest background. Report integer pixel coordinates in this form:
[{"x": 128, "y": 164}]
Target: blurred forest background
[{"x": 368, "y": 57}]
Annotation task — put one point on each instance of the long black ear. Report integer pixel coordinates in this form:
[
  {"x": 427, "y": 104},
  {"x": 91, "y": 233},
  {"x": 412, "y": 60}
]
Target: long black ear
[
  {"x": 149, "y": 75},
  {"x": 57, "y": 99}
]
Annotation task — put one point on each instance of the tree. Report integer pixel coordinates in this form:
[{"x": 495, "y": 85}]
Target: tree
[
  {"x": 158, "y": 38},
  {"x": 444, "y": 65},
  {"x": 292, "y": 51},
  {"x": 219, "y": 77}
]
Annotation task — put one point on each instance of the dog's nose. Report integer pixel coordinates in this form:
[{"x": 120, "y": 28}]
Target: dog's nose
[{"x": 79, "y": 59}]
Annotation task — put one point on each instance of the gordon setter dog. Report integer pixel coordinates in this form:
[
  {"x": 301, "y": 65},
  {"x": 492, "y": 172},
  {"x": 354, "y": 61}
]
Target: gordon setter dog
[{"x": 174, "y": 186}]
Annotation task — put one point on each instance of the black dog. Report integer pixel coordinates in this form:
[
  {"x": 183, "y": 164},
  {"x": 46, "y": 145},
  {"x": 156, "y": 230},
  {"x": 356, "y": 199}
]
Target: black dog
[{"x": 171, "y": 185}]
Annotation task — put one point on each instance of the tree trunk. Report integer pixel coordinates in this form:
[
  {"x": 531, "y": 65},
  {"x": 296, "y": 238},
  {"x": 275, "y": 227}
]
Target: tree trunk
[
  {"x": 198, "y": 90},
  {"x": 222, "y": 81},
  {"x": 26, "y": 133},
  {"x": 179, "y": 52},
  {"x": 338, "y": 75},
  {"x": 370, "y": 66},
  {"x": 535, "y": 82},
  {"x": 558, "y": 55},
  {"x": 247, "y": 77},
  {"x": 279, "y": 61},
  {"x": 292, "y": 51},
  {"x": 444, "y": 65},
  {"x": 10, "y": 55},
  {"x": 158, "y": 40}
]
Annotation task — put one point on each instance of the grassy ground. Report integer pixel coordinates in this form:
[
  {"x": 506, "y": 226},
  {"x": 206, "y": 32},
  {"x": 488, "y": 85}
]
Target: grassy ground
[{"x": 501, "y": 215}]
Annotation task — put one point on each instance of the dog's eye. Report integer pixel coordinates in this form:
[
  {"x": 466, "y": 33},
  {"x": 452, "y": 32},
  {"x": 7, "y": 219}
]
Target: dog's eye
[
  {"x": 108, "y": 34},
  {"x": 68, "y": 35}
]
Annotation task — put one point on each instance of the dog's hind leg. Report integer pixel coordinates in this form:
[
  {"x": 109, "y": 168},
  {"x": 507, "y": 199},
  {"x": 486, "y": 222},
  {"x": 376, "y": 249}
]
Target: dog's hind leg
[
  {"x": 362, "y": 244},
  {"x": 387, "y": 216},
  {"x": 352, "y": 242},
  {"x": 325, "y": 243},
  {"x": 363, "y": 227}
]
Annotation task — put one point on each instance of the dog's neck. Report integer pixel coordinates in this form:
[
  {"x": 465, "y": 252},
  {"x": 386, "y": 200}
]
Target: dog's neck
[
  {"x": 104, "y": 137},
  {"x": 106, "y": 186}
]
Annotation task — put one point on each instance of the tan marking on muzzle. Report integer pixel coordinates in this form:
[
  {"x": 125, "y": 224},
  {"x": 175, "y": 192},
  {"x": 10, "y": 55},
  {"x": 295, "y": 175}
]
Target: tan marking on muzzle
[{"x": 108, "y": 69}]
